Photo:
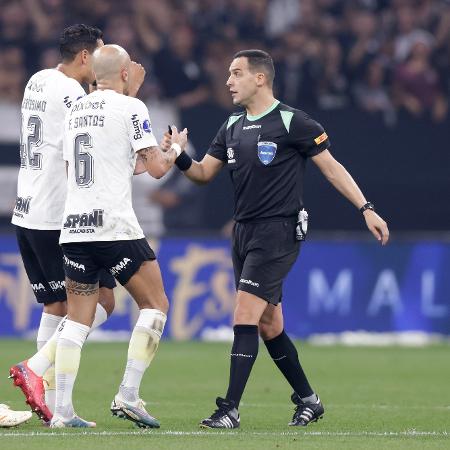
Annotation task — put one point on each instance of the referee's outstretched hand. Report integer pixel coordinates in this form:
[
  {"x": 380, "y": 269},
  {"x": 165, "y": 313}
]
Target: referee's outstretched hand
[{"x": 377, "y": 226}]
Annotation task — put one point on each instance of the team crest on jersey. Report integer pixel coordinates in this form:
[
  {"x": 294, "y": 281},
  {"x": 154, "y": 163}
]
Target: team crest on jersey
[
  {"x": 146, "y": 126},
  {"x": 230, "y": 155},
  {"x": 266, "y": 151}
]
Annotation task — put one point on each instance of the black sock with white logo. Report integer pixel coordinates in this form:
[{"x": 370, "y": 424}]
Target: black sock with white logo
[
  {"x": 285, "y": 356},
  {"x": 243, "y": 356}
]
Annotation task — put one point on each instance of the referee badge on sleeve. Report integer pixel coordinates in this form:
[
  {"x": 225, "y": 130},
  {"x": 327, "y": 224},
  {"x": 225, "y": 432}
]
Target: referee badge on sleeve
[{"x": 266, "y": 151}]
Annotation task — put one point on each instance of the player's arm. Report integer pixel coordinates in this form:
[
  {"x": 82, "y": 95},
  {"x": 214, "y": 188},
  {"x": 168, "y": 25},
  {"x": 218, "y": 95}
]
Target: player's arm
[
  {"x": 157, "y": 162},
  {"x": 338, "y": 176}
]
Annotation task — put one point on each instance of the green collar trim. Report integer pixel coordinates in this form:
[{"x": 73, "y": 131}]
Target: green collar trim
[
  {"x": 267, "y": 111},
  {"x": 233, "y": 119}
]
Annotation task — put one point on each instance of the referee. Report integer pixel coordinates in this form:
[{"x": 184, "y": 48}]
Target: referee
[{"x": 265, "y": 149}]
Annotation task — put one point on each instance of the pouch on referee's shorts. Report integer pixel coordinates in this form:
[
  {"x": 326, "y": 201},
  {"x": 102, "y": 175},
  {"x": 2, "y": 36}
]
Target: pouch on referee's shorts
[{"x": 302, "y": 225}]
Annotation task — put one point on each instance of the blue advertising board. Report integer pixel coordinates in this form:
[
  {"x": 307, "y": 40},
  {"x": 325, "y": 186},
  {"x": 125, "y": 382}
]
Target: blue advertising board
[{"x": 334, "y": 286}]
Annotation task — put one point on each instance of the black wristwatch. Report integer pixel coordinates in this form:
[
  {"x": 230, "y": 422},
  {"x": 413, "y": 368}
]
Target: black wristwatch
[{"x": 368, "y": 205}]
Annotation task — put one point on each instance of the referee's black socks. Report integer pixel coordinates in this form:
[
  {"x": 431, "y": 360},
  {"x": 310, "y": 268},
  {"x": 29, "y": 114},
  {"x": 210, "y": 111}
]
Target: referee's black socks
[
  {"x": 285, "y": 356},
  {"x": 243, "y": 356}
]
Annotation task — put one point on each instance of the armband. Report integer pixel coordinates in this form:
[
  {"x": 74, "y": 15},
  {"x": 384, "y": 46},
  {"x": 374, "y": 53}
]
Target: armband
[
  {"x": 176, "y": 148},
  {"x": 184, "y": 161}
]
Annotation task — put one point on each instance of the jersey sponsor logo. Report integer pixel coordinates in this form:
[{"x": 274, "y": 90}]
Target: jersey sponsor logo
[
  {"x": 37, "y": 287},
  {"x": 74, "y": 264},
  {"x": 56, "y": 285},
  {"x": 22, "y": 206},
  {"x": 230, "y": 155},
  {"x": 119, "y": 267},
  {"x": 67, "y": 101},
  {"x": 146, "y": 126},
  {"x": 251, "y": 127},
  {"x": 85, "y": 222},
  {"x": 266, "y": 151},
  {"x": 323, "y": 137},
  {"x": 250, "y": 282},
  {"x": 136, "y": 126}
]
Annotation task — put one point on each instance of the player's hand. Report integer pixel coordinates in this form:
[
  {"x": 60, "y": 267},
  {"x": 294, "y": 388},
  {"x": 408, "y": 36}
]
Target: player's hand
[
  {"x": 377, "y": 226},
  {"x": 179, "y": 138},
  {"x": 137, "y": 75},
  {"x": 166, "y": 142}
]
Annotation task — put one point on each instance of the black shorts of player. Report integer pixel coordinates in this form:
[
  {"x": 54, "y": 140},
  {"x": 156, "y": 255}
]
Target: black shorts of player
[
  {"x": 122, "y": 259},
  {"x": 263, "y": 254},
  {"x": 43, "y": 261}
]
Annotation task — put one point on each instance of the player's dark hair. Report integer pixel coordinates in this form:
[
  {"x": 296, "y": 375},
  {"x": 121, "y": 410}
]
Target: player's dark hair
[
  {"x": 76, "y": 38},
  {"x": 258, "y": 60}
]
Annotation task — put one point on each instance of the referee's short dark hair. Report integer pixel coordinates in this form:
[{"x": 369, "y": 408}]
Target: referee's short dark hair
[
  {"x": 258, "y": 60},
  {"x": 76, "y": 38}
]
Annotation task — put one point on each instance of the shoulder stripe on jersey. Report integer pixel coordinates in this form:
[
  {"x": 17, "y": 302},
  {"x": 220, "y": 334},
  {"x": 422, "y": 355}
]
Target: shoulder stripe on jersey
[
  {"x": 233, "y": 119},
  {"x": 286, "y": 116}
]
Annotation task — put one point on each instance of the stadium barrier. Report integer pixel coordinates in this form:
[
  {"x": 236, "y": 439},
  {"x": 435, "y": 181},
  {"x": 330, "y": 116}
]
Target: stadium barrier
[{"x": 335, "y": 286}]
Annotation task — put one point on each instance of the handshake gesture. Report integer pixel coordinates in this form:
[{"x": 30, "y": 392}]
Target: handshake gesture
[
  {"x": 173, "y": 136},
  {"x": 157, "y": 161}
]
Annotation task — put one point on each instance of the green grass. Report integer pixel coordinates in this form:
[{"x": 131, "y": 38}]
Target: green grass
[{"x": 373, "y": 397}]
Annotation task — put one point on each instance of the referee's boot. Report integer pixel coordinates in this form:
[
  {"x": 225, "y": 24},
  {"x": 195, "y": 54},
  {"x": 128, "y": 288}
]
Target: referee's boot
[
  {"x": 306, "y": 413},
  {"x": 225, "y": 416}
]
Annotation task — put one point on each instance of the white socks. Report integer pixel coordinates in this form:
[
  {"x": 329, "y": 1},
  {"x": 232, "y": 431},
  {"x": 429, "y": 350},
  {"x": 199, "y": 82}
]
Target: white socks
[
  {"x": 68, "y": 353},
  {"x": 100, "y": 316},
  {"x": 42, "y": 362},
  {"x": 48, "y": 325},
  {"x": 141, "y": 350}
]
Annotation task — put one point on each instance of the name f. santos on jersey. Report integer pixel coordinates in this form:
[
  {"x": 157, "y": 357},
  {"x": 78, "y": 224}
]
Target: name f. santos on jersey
[{"x": 103, "y": 132}]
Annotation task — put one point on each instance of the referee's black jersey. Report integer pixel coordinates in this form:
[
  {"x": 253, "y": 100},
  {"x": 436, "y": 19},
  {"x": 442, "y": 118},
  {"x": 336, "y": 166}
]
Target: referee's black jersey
[{"x": 266, "y": 157}]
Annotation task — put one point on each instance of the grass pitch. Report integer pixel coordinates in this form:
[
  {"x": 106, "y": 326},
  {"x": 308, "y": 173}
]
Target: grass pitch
[{"x": 374, "y": 397}]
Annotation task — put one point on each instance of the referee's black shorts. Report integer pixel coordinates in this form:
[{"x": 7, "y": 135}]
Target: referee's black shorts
[
  {"x": 122, "y": 259},
  {"x": 42, "y": 258},
  {"x": 263, "y": 254}
]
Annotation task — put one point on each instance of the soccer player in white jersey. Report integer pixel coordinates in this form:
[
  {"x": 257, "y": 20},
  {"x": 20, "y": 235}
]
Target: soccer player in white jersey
[
  {"x": 105, "y": 134},
  {"x": 41, "y": 193}
]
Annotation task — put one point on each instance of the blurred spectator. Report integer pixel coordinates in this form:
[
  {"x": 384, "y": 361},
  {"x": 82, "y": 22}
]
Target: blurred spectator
[
  {"x": 299, "y": 64},
  {"x": 333, "y": 85},
  {"x": 281, "y": 15},
  {"x": 416, "y": 84},
  {"x": 371, "y": 93},
  {"x": 178, "y": 69},
  {"x": 408, "y": 32},
  {"x": 12, "y": 74},
  {"x": 364, "y": 43}
]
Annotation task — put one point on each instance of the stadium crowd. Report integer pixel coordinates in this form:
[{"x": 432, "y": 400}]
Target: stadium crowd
[{"x": 384, "y": 57}]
